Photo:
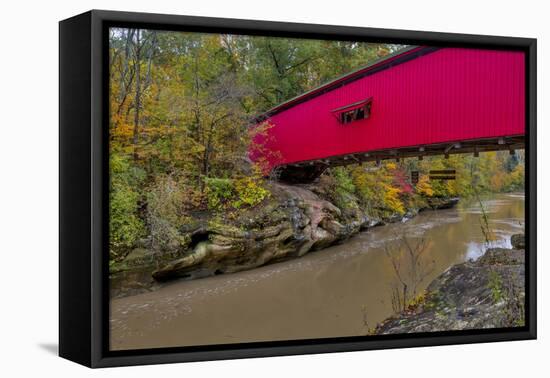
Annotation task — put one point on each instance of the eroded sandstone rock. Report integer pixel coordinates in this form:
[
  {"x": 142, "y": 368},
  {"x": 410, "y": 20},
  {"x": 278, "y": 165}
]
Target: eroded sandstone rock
[{"x": 294, "y": 221}]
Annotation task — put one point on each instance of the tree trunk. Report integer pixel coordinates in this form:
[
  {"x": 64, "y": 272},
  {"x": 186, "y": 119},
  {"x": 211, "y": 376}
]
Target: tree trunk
[{"x": 137, "y": 99}]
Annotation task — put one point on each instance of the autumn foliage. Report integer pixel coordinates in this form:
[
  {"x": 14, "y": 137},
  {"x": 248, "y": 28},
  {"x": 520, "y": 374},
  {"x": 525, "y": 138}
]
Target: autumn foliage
[{"x": 182, "y": 106}]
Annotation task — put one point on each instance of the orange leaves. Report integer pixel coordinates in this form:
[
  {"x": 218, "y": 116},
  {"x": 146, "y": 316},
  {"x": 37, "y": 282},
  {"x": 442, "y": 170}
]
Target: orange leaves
[{"x": 122, "y": 131}]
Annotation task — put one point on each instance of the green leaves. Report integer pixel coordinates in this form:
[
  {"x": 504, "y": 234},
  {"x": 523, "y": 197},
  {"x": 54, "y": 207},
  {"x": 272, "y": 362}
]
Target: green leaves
[
  {"x": 125, "y": 225},
  {"x": 218, "y": 192},
  {"x": 234, "y": 193}
]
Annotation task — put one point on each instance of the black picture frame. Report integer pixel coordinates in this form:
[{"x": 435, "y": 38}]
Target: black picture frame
[{"x": 83, "y": 195}]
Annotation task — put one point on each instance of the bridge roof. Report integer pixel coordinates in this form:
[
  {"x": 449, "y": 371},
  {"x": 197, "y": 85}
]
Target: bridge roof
[{"x": 391, "y": 60}]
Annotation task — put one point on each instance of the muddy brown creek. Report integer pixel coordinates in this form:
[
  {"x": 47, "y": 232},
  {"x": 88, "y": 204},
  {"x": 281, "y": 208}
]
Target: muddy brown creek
[{"x": 339, "y": 291}]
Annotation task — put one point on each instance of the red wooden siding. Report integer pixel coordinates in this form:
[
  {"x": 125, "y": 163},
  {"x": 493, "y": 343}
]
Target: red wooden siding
[{"x": 448, "y": 95}]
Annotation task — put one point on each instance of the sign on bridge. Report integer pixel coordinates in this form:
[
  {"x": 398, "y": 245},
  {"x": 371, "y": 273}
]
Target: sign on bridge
[{"x": 443, "y": 174}]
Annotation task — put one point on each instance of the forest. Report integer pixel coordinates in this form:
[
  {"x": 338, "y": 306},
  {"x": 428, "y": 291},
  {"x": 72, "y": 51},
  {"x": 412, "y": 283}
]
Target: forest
[{"x": 181, "y": 106}]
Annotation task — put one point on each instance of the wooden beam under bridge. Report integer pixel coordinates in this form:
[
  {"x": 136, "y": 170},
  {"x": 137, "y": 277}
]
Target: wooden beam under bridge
[{"x": 308, "y": 171}]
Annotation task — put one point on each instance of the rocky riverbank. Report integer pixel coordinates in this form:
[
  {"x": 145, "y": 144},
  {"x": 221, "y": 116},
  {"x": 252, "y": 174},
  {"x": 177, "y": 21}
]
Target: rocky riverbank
[
  {"x": 295, "y": 220},
  {"x": 486, "y": 293}
]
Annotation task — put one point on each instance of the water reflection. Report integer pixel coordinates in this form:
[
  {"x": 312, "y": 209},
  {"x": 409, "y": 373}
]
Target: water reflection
[{"x": 339, "y": 291}]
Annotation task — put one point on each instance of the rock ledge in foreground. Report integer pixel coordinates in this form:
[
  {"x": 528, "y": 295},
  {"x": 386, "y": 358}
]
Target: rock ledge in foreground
[{"x": 487, "y": 293}]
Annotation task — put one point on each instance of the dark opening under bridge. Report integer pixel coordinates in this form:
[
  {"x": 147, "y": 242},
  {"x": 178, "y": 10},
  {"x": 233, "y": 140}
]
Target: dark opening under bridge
[{"x": 417, "y": 102}]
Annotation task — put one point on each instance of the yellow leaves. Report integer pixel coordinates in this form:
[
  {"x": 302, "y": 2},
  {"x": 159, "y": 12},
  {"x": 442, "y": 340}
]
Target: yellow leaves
[
  {"x": 497, "y": 181},
  {"x": 122, "y": 131},
  {"x": 424, "y": 187},
  {"x": 391, "y": 166},
  {"x": 249, "y": 192},
  {"x": 392, "y": 200},
  {"x": 516, "y": 177},
  {"x": 378, "y": 189},
  {"x": 360, "y": 177}
]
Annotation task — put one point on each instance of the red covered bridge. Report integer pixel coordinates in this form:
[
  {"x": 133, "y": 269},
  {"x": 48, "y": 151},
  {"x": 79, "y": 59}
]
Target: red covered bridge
[{"x": 420, "y": 101}]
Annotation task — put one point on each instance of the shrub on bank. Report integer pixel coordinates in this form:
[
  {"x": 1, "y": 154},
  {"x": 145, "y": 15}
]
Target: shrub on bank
[
  {"x": 167, "y": 202},
  {"x": 125, "y": 225}
]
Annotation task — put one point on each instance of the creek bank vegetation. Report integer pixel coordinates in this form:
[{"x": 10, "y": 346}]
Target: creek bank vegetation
[
  {"x": 185, "y": 199},
  {"x": 486, "y": 293},
  {"x": 411, "y": 268},
  {"x": 288, "y": 222}
]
